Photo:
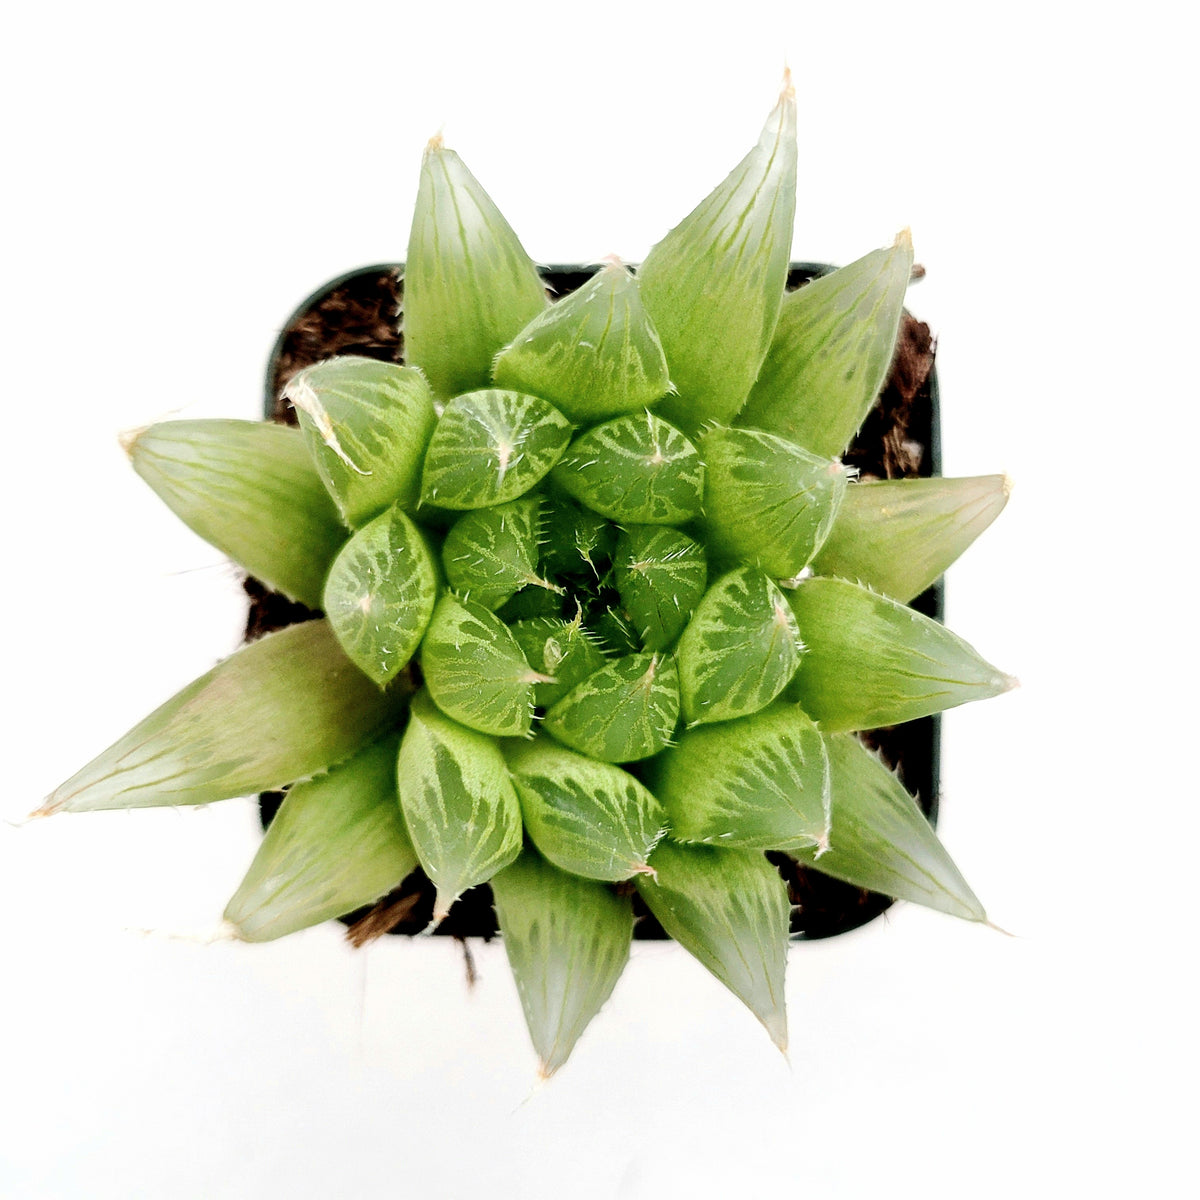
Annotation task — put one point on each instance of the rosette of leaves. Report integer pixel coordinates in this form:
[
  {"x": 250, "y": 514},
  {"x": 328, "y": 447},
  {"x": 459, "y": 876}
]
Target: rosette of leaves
[{"x": 600, "y": 609}]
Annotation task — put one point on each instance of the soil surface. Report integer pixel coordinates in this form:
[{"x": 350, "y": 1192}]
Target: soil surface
[{"x": 360, "y": 314}]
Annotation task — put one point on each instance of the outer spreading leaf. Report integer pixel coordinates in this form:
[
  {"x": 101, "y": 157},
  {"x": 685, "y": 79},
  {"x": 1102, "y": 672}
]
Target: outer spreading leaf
[
  {"x": 593, "y": 355},
  {"x": 761, "y": 782},
  {"x": 250, "y": 489},
  {"x": 560, "y": 650},
  {"x": 634, "y": 469},
  {"x": 366, "y": 424},
  {"x": 729, "y": 909},
  {"x": 660, "y": 575},
  {"x": 490, "y": 554},
  {"x": 469, "y": 286},
  {"x": 714, "y": 284},
  {"x": 767, "y": 501},
  {"x": 740, "y": 649},
  {"x": 625, "y": 711},
  {"x": 336, "y": 844},
  {"x": 380, "y": 594},
  {"x": 491, "y": 446},
  {"x": 831, "y": 352},
  {"x": 207, "y": 742},
  {"x": 590, "y": 818},
  {"x": 459, "y": 803},
  {"x": 881, "y": 839},
  {"x": 899, "y": 535},
  {"x": 873, "y": 662},
  {"x": 567, "y": 941},
  {"x": 475, "y": 670}
]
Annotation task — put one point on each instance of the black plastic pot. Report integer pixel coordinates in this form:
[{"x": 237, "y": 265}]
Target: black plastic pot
[{"x": 358, "y": 313}]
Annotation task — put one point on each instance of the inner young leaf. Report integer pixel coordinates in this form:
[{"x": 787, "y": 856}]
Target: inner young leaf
[
  {"x": 660, "y": 575},
  {"x": 635, "y": 468},
  {"x": 625, "y": 711},
  {"x": 491, "y": 446},
  {"x": 740, "y": 649},
  {"x": 380, "y": 594},
  {"x": 491, "y": 553},
  {"x": 475, "y": 671}
]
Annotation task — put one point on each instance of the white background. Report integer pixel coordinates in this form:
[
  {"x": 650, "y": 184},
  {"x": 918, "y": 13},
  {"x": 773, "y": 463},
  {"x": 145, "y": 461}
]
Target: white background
[{"x": 178, "y": 177}]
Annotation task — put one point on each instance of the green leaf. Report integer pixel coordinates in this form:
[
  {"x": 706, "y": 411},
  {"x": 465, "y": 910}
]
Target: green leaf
[
  {"x": 336, "y": 844},
  {"x": 560, "y": 650},
  {"x": 714, "y": 284},
  {"x": 490, "y": 554},
  {"x": 832, "y": 351},
  {"x": 567, "y": 941},
  {"x": 576, "y": 539},
  {"x": 899, "y": 535},
  {"x": 626, "y": 710},
  {"x": 380, "y": 594},
  {"x": 594, "y": 354},
  {"x": 459, "y": 803},
  {"x": 587, "y": 817},
  {"x": 207, "y": 742},
  {"x": 491, "y": 446},
  {"x": 760, "y": 782},
  {"x": 874, "y": 662},
  {"x": 475, "y": 670},
  {"x": 249, "y": 489},
  {"x": 660, "y": 575},
  {"x": 367, "y": 424},
  {"x": 729, "y": 909},
  {"x": 740, "y": 649},
  {"x": 881, "y": 839},
  {"x": 766, "y": 500},
  {"x": 634, "y": 469},
  {"x": 469, "y": 286}
]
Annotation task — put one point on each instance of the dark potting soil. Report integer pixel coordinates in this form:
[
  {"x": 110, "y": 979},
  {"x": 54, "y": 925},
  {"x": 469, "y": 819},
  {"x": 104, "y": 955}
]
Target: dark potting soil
[{"x": 360, "y": 314}]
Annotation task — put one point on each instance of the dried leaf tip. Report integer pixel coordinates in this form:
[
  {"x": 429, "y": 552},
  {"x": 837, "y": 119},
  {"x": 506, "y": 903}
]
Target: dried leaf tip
[
  {"x": 129, "y": 437},
  {"x": 1011, "y": 683},
  {"x": 787, "y": 90},
  {"x": 903, "y": 239},
  {"x": 1007, "y": 485},
  {"x": 435, "y": 143},
  {"x": 613, "y": 262}
]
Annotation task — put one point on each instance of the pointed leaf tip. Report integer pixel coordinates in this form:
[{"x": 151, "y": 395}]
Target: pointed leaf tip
[
  {"x": 872, "y": 661},
  {"x": 205, "y": 743},
  {"x": 567, "y": 941},
  {"x": 723, "y": 268}
]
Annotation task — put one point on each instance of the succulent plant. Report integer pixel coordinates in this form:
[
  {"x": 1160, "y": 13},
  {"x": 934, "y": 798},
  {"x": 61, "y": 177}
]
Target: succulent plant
[{"x": 603, "y": 610}]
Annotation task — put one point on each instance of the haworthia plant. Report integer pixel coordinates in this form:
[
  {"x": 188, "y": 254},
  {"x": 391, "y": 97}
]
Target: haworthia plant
[
  {"x": 338, "y": 842},
  {"x": 250, "y": 489},
  {"x": 872, "y": 661},
  {"x": 714, "y": 285},
  {"x": 458, "y": 800},
  {"x": 899, "y": 535},
  {"x": 491, "y": 446},
  {"x": 881, "y": 840},
  {"x": 380, "y": 594},
  {"x": 593, "y": 355},
  {"x": 567, "y": 941},
  {"x": 730, "y": 909},
  {"x": 759, "y": 782},
  {"x": 469, "y": 286},
  {"x": 831, "y": 352},
  {"x": 740, "y": 649},
  {"x": 635, "y": 468},
  {"x": 367, "y": 424},
  {"x": 208, "y": 742},
  {"x": 611, "y": 542},
  {"x": 590, "y": 818}
]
